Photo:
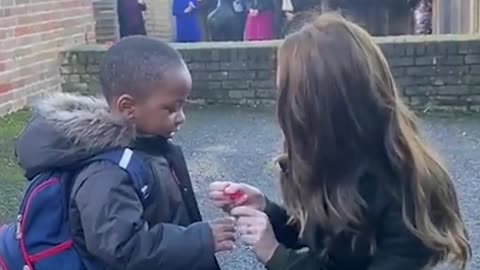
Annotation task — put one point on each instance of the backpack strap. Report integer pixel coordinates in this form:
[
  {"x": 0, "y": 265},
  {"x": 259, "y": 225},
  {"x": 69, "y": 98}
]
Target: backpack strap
[{"x": 133, "y": 164}]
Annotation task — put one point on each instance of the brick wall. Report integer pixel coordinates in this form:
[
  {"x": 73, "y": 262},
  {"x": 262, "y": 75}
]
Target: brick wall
[
  {"x": 31, "y": 34},
  {"x": 435, "y": 72},
  {"x": 106, "y": 20},
  {"x": 158, "y": 19}
]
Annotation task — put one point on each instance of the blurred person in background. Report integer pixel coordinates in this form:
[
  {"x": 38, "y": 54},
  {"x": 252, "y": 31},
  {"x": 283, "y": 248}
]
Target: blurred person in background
[
  {"x": 422, "y": 13},
  {"x": 187, "y": 23},
  {"x": 130, "y": 17},
  {"x": 259, "y": 24}
]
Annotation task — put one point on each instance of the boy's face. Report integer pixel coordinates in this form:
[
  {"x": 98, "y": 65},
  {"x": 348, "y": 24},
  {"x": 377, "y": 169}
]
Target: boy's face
[{"x": 161, "y": 113}]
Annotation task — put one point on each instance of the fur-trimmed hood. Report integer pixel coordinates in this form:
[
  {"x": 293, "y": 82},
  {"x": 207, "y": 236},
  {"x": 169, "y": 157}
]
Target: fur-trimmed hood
[{"x": 67, "y": 128}]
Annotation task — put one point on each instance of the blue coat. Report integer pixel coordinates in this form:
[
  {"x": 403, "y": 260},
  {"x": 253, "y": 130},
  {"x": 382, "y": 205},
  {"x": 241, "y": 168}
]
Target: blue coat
[{"x": 187, "y": 25}]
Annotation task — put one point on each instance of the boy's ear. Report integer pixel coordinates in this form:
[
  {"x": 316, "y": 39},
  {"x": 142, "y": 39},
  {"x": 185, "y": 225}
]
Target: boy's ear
[{"x": 126, "y": 106}]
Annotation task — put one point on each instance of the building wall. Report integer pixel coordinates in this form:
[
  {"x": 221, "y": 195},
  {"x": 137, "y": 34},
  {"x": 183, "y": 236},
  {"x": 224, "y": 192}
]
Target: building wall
[
  {"x": 106, "y": 20},
  {"x": 158, "y": 19},
  {"x": 456, "y": 16},
  {"x": 432, "y": 72},
  {"x": 379, "y": 19},
  {"x": 32, "y": 34}
]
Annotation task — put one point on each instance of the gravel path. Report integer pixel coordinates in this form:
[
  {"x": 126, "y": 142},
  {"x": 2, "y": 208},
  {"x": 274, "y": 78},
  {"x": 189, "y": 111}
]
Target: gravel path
[{"x": 240, "y": 145}]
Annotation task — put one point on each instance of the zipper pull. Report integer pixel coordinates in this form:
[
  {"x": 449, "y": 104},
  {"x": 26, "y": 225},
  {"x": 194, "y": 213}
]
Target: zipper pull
[{"x": 18, "y": 232}]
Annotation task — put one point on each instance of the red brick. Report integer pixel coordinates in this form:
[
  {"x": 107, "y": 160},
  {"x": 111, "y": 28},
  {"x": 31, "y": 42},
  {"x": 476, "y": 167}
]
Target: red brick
[
  {"x": 19, "y": 83},
  {"x": 6, "y": 65},
  {"x": 5, "y": 87},
  {"x": 6, "y": 12},
  {"x": 7, "y": 45},
  {"x": 23, "y": 41},
  {"x": 7, "y": 3},
  {"x": 35, "y": 18},
  {"x": 17, "y": 11},
  {"x": 71, "y": 4},
  {"x": 6, "y": 33},
  {"x": 4, "y": 55},
  {"x": 50, "y": 15},
  {"x": 8, "y": 22},
  {"x": 23, "y": 30},
  {"x": 41, "y": 7},
  {"x": 52, "y": 34}
]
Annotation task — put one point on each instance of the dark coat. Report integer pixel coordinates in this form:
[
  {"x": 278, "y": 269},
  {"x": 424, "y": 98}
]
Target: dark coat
[
  {"x": 396, "y": 247},
  {"x": 108, "y": 222},
  {"x": 130, "y": 17}
]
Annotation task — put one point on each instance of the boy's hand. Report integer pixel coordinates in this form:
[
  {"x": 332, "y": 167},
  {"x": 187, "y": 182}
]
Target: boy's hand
[
  {"x": 256, "y": 231},
  {"x": 223, "y": 231},
  {"x": 226, "y": 195}
]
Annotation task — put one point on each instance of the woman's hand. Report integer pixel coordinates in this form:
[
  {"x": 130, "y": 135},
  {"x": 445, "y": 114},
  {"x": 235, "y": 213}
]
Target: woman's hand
[
  {"x": 289, "y": 15},
  {"x": 226, "y": 195},
  {"x": 253, "y": 12},
  {"x": 256, "y": 231},
  {"x": 191, "y": 6}
]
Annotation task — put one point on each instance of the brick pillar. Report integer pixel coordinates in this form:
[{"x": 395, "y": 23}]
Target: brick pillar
[
  {"x": 158, "y": 19},
  {"x": 106, "y": 20}
]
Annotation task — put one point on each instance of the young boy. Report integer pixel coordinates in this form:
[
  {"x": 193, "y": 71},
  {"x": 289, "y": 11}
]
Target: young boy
[{"x": 145, "y": 83}]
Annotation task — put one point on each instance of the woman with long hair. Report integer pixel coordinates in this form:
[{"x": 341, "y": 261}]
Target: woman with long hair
[{"x": 361, "y": 188}]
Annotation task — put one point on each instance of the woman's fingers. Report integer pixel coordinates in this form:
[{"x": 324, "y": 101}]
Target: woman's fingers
[
  {"x": 226, "y": 235},
  {"x": 219, "y": 186},
  {"x": 227, "y": 224},
  {"x": 247, "y": 229},
  {"x": 219, "y": 199},
  {"x": 217, "y": 196},
  {"x": 256, "y": 231},
  {"x": 244, "y": 211},
  {"x": 226, "y": 245},
  {"x": 247, "y": 221},
  {"x": 233, "y": 188},
  {"x": 249, "y": 239}
]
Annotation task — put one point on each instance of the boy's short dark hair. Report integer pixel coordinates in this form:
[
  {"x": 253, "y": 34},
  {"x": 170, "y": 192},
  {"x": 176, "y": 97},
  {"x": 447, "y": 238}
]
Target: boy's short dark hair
[{"x": 134, "y": 65}]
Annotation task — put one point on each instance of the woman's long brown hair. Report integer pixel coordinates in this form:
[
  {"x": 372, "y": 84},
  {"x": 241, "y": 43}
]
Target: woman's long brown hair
[{"x": 341, "y": 113}]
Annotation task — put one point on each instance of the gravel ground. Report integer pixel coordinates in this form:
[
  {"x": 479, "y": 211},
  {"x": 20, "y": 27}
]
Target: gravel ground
[{"x": 240, "y": 145}]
